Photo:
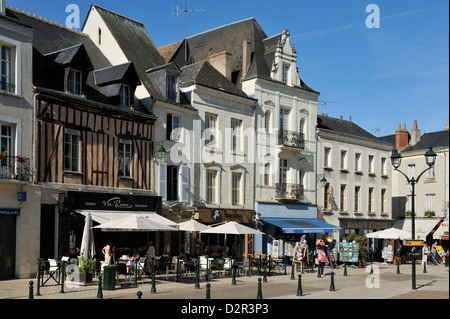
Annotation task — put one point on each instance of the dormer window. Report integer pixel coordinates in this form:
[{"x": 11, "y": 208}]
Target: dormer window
[
  {"x": 285, "y": 73},
  {"x": 171, "y": 87},
  {"x": 125, "y": 96},
  {"x": 74, "y": 82}
]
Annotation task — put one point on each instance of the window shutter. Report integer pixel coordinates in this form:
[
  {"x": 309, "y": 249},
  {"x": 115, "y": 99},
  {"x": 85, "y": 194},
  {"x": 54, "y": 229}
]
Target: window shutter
[
  {"x": 183, "y": 183},
  {"x": 163, "y": 181}
]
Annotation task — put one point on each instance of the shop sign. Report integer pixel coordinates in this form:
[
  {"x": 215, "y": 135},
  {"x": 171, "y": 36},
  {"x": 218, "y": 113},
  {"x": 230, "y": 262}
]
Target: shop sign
[
  {"x": 72, "y": 200},
  {"x": 9, "y": 211},
  {"x": 414, "y": 243},
  {"x": 371, "y": 224}
]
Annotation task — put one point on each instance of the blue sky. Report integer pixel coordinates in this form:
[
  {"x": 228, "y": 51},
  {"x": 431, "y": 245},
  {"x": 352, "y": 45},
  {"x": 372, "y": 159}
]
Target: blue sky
[{"x": 380, "y": 77}]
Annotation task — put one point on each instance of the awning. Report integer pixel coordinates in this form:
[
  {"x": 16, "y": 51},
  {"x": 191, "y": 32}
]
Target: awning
[
  {"x": 442, "y": 231},
  {"x": 302, "y": 226},
  {"x": 104, "y": 216},
  {"x": 423, "y": 226}
]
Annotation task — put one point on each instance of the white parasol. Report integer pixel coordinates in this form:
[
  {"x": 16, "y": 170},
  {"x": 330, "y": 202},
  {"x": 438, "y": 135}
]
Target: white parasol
[
  {"x": 390, "y": 233},
  {"x": 87, "y": 241},
  {"x": 231, "y": 228},
  {"x": 135, "y": 222},
  {"x": 193, "y": 225}
]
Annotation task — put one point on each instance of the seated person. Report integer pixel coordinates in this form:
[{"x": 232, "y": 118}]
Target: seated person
[{"x": 132, "y": 261}]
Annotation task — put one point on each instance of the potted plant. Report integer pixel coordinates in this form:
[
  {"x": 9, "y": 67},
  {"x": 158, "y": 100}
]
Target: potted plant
[
  {"x": 429, "y": 213},
  {"x": 3, "y": 155},
  {"x": 85, "y": 267},
  {"x": 408, "y": 213}
]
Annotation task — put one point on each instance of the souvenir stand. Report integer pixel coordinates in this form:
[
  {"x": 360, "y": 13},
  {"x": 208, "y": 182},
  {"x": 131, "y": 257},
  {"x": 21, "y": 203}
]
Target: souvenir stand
[
  {"x": 349, "y": 253},
  {"x": 283, "y": 250}
]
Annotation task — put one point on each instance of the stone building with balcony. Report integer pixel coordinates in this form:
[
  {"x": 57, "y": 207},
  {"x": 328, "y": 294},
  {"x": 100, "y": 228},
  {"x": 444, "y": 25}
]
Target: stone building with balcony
[
  {"x": 19, "y": 197},
  {"x": 265, "y": 68},
  {"x": 356, "y": 166}
]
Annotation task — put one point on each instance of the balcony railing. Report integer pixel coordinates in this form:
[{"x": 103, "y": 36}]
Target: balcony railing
[
  {"x": 291, "y": 139},
  {"x": 289, "y": 192},
  {"x": 12, "y": 169}
]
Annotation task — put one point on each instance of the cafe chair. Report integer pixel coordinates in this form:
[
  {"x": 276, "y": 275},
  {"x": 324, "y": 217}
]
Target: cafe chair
[{"x": 53, "y": 270}]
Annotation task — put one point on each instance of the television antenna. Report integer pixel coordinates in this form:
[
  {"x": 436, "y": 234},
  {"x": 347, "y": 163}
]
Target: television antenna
[
  {"x": 186, "y": 10},
  {"x": 324, "y": 103}
]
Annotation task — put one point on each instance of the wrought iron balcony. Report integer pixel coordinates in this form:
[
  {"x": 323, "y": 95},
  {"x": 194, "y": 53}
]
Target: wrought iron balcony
[
  {"x": 289, "y": 192},
  {"x": 12, "y": 168},
  {"x": 291, "y": 139}
]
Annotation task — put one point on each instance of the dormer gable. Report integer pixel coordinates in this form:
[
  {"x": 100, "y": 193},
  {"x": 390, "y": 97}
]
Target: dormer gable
[
  {"x": 282, "y": 59},
  {"x": 118, "y": 82},
  {"x": 69, "y": 68},
  {"x": 166, "y": 77}
]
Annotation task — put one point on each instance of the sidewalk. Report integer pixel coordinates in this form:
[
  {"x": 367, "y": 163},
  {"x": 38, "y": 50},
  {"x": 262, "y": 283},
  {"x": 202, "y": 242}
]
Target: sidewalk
[{"x": 385, "y": 283}]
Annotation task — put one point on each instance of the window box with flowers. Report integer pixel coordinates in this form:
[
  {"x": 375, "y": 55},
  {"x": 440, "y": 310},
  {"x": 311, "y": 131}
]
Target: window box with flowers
[
  {"x": 3, "y": 155},
  {"x": 20, "y": 158}
]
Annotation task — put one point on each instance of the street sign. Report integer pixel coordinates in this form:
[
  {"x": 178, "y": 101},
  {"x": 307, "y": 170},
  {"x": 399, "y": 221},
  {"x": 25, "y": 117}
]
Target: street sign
[{"x": 414, "y": 243}]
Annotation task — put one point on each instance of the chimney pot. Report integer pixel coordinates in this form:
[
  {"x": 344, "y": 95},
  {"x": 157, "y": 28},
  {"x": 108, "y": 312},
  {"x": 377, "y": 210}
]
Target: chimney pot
[{"x": 222, "y": 62}]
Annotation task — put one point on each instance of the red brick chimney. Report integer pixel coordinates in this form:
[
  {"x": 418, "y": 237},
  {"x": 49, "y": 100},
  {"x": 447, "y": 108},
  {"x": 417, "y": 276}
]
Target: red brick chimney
[{"x": 402, "y": 137}]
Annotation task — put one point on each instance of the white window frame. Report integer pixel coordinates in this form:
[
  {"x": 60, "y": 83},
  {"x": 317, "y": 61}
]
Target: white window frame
[
  {"x": 357, "y": 162},
  {"x": 371, "y": 200},
  {"x": 383, "y": 200},
  {"x": 7, "y": 81},
  {"x": 343, "y": 159},
  {"x": 284, "y": 119},
  {"x": 125, "y": 157},
  {"x": 125, "y": 96},
  {"x": 236, "y": 142},
  {"x": 171, "y": 87},
  {"x": 211, "y": 186},
  {"x": 173, "y": 132},
  {"x": 72, "y": 83},
  {"x": 326, "y": 156},
  {"x": 210, "y": 128},
  {"x": 430, "y": 200},
  {"x": 72, "y": 139},
  {"x": 357, "y": 201},
  {"x": 236, "y": 187},
  {"x": 343, "y": 198}
]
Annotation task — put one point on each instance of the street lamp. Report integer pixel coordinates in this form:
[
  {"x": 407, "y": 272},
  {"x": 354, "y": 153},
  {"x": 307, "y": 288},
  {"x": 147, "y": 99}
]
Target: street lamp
[
  {"x": 160, "y": 151},
  {"x": 396, "y": 160}
]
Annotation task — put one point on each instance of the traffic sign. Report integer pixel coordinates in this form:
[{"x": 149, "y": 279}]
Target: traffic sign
[{"x": 414, "y": 243}]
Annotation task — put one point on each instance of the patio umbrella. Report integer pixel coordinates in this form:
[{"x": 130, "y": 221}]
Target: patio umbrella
[
  {"x": 134, "y": 222},
  {"x": 87, "y": 241},
  {"x": 390, "y": 233},
  {"x": 193, "y": 225},
  {"x": 231, "y": 228}
]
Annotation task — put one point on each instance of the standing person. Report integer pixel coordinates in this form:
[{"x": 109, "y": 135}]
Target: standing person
[
  {"x": 107, "y": 252},
  {"x": 322, "y": 259},
  {"x": 425, "y": 254},
  {"x": 434, "y": 254},
  {"x": 397, "y": 253},
  {"x": 151, "y": 251}
]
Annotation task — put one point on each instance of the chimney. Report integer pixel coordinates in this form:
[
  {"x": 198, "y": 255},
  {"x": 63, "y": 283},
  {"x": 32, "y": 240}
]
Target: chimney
[
  {"x": 3, "y": 7},
  {"x": 246, "y": 56},
  {"x": 341, "y": 117},
  {"x": 415, "y": 134},
  {"x": 222, "y": 62},
  {"x": 325, "y": 114},
  {"x": 401, "y": 137}
]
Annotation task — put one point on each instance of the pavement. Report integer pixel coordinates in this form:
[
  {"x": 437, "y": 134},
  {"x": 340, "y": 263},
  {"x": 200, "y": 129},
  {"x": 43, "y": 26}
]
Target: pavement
[{"x": 278, "y": 290}]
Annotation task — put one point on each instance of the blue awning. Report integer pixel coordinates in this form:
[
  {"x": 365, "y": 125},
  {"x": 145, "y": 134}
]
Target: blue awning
[{"x": 302, "y": 225}]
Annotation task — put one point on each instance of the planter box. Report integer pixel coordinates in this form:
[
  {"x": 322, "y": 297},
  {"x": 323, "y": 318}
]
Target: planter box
[{"x": 78, "y": 279}]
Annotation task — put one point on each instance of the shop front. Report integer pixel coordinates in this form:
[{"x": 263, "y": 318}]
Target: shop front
[
  {"x": 286, "y": 226},
  {"x": 219, "y": 244},
  {"x": 361, "y": 227},
  {"x": 102, "y": 207}
]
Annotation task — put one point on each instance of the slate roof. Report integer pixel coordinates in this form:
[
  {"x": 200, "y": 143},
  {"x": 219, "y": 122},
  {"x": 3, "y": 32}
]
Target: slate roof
[
  {"x": 56, "y": 43},
  {"x": 230, "y": 38},
  {"x": 136, "y": 44},
  {"x": 205, "y": 74},
  {"x": 113, "y": 74},
  {"x": 346, "y": 128},
  {"x": 435, "y": 140}
]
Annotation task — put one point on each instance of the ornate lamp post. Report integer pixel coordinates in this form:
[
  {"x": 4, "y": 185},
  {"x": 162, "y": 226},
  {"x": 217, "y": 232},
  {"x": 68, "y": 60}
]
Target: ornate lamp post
[{"x": 396, "y": 160}]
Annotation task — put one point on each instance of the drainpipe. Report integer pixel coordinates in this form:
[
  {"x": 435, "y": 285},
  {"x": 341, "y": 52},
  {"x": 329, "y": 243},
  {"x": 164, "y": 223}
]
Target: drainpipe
[{"x": 34, "y": 137}]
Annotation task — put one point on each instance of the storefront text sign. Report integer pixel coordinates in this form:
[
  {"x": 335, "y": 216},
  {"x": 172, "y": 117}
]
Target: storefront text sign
[{"x": 9, "y": 212}]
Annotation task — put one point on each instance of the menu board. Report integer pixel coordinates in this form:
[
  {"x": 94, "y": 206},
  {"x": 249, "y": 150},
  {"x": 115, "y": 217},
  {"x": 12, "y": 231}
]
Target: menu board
[
  {"x": 299, "y": 253},
  {"x": 349, "y": 251},
  {"x": 275, "y": 248}
]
